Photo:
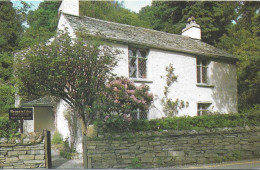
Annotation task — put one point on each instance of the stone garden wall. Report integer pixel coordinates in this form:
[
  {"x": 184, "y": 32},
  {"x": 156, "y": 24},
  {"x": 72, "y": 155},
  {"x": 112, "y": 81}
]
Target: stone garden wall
[
  {"x": 25, "y": 152},
  {"x": 169, "y": 148}
]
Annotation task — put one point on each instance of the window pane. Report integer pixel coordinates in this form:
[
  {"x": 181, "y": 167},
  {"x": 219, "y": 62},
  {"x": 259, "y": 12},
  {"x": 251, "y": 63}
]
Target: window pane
[
  {"x": 143, "y": 53},
  {"x": 204, "y": 75},
  {"x": 203, "y": 109},
  {"x": 204, "y": 63},
  {"x": 132, "y": 67},
  {"x": 139, "y": 115},
  {"x": 142, "y": 68},
  {"x": 143, "y": 115},
  {"x": 138, "y": 54},
  {"x": 198, "y": 74},
  {"x": 131, "y": 52},
  {"x": 204, "y": 112},
  {"x": 137, "y": 63}
]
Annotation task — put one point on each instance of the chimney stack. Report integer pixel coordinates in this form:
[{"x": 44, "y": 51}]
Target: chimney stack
[
  {"x": 69, "y": 7},
  {"x": 192, "y": 29}
]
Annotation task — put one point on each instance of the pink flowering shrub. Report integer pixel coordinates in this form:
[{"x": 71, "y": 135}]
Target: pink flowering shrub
[{"x": 125, "y": 96}]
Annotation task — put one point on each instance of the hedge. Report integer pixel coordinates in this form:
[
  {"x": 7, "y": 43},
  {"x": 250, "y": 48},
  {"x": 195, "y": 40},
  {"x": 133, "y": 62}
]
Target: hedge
[{"x": 183, "y": 123}]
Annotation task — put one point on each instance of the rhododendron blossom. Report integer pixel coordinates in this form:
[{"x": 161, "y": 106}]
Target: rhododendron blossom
[{"x": 126, "y": 97}]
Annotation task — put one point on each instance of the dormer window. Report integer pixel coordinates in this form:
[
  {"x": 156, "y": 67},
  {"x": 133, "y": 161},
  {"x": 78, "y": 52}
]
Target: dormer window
[
  {"x": 137, "y": 63},
  {"x": 202, "y": 71}
]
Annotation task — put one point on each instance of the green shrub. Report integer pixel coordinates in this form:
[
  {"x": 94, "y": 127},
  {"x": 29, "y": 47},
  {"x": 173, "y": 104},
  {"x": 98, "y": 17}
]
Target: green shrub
[
  {"x": 65, "y": 154},
  {"x": 63, "y": 146},
  {"x": 117, "y": 124},
  {"x": 8, "y": 128},
  {"x": 6, "y": 98},
  {"x": 56, "y": 138},
  {"x": 66, "y": 151},
  {"x": 135, "y": 164}
]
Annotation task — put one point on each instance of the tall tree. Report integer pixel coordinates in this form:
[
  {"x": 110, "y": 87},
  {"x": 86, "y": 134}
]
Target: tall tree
[
  {"x": 111, "y": 11},
  {"x": 10, "y": 33},
  {"x": 243, "y": 41},
  {"x": 72, "y": 70},
  {"x": 42, "y": 23},
  {"x": 171, "y": 16},
  {"x": 10, "y": 27}
]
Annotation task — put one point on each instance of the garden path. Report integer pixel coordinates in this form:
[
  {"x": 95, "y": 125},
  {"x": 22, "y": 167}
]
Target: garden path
[{"x": 59, "y": 162}]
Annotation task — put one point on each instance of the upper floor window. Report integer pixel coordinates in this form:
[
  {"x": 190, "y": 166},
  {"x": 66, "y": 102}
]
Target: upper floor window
[
  {"x": 137, "y": 63},
  {"x": 202, "y": 71}
]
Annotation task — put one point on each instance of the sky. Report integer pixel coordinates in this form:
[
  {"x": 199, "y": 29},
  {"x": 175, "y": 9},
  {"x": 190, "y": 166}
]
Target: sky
[{"x": 133, "y": 5}]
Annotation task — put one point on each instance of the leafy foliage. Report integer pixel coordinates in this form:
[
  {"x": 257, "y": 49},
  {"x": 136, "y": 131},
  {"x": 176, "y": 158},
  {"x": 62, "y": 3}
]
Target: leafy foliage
[
  {"x": 8, "y": 128},
  {"x": 11, "y": 31},
  {"x": 172, "y": 16},
  {"x": 125, "y": 96},
  {"x": 110, "y": 11},
  {"x": 242, "y": 40},
  {"x": 119, "y": 123},
  {"x": 171, "y": 107},
  {"x": 63, "y": 146},
  {"x": 74, "y": 70},
  {"x": 6, "y": 98},
  {"x": 42, "y": 23},
  {"x": 248, "y": 118},
  {"x": 10, "y": 27},
  {"x": 136, "y": 164},
  {"x": 56, "y": 139}
]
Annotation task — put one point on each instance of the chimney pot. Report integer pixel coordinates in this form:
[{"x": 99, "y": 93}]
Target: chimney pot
[{"x": 192, "y": 29}]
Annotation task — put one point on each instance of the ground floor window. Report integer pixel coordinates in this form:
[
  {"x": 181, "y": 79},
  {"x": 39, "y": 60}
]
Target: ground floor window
[
  {"x": 139, "y": 115},
  {"x": 203, "y": 109}
]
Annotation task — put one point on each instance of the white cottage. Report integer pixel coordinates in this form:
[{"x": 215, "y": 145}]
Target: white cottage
[{"x": 206, "y": 75}]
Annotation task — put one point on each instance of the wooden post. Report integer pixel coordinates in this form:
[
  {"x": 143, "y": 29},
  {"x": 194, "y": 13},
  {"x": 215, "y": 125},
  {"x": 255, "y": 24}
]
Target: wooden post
[
  {"x": 85, "y": 153},
  {"x": 21, "y": 125},
  {"x": 47, "y": 148}
]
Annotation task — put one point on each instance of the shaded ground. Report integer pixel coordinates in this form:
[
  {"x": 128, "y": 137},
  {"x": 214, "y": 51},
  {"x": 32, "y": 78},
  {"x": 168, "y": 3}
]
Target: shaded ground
[{"x": 59, "y": 162}]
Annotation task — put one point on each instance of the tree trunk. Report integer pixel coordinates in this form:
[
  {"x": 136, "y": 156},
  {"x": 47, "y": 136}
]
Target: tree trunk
[{"x": 84, "y": 144}]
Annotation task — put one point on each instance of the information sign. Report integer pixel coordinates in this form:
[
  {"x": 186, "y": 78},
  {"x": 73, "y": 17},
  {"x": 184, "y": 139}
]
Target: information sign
[{"x": 21, "y": 114}]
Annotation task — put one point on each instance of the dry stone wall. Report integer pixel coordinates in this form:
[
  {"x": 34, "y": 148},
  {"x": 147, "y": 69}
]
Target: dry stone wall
[
  {"x": 169, "y": 148},
  {"x": 26, "y": 152}
]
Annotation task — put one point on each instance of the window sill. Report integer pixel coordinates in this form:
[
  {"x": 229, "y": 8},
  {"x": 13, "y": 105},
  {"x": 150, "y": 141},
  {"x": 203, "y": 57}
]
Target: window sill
[
  {"x": 204, "y": 85},
  {"x": 136, "y": 80}
]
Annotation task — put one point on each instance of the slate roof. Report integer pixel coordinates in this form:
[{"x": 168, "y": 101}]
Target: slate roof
[
  {"x": 142, "y": 36},
  {"x": 46, "y": 101}
]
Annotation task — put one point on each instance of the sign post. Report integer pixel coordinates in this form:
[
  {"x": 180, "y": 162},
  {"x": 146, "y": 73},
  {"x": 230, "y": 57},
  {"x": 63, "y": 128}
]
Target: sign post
[{"x": 21, "y": 114}]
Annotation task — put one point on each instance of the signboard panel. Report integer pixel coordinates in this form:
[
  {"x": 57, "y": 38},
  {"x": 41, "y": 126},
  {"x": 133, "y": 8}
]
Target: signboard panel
[{"x": 21, "y": 113}]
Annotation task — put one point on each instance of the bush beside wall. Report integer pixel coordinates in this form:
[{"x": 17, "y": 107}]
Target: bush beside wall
[
  {"x": 8, "y": 128},
  {"x": 250, "y": 118},
  {"x": 171, "y": 147}
]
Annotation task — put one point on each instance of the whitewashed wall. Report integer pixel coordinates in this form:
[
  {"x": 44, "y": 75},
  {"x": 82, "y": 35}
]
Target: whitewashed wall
[{"x": 63, "y": 25}]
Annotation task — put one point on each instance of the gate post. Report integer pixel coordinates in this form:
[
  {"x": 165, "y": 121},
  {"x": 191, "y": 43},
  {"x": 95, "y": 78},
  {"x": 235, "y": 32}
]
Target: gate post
[{"x": 47, "y": 148}]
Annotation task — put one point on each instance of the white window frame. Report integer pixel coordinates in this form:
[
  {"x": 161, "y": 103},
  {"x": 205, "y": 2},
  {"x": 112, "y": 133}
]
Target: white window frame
[
  {"x": 202, "y": 65},
  {"x": 137, "y": 58},
  {"x": 140, "y": 115},
  {"x": 203, "y": 107}
]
